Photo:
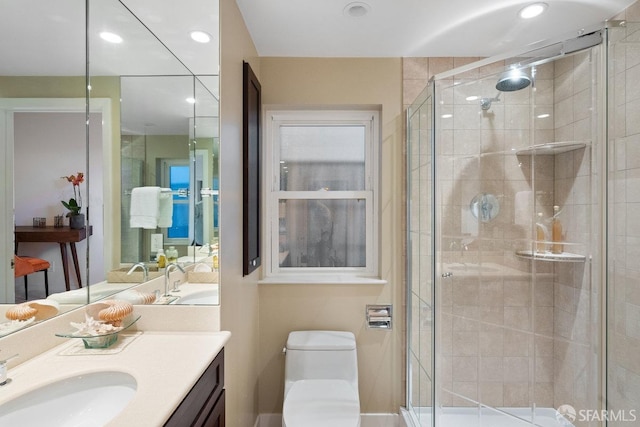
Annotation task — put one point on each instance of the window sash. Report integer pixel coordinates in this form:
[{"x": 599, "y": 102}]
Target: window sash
[
  {"x": 365, "y": 119},
  {"x": 273, "y": 196},
  {"x": 367, "y": 196}
]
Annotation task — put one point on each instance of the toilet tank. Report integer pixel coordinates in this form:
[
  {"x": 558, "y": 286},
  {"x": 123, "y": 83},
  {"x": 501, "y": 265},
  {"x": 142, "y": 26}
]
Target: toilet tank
[{"x": 321, "y": 355}]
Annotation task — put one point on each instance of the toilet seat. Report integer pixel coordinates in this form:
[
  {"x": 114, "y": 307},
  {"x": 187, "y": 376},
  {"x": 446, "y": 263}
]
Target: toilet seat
[{"x": 321, "y": 403}]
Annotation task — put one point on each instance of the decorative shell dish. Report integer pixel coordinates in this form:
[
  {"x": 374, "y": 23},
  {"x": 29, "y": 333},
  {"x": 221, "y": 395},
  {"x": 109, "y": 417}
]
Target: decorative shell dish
[{"x": 40, "y": 309}]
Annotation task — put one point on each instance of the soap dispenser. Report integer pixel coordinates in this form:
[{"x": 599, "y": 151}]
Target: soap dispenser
[
  {"x": 161, "y": 258},
  {"x": 172, "y": 254},
  {"x": 541, "y": 234}
]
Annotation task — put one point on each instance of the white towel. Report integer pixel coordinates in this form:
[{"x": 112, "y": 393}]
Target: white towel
[
  {"x": 145, "y": 207},
  {"x": 165, "y": 217}
]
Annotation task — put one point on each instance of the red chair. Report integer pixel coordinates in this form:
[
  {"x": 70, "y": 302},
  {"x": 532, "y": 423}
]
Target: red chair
[{"x": 23, "y": 266}]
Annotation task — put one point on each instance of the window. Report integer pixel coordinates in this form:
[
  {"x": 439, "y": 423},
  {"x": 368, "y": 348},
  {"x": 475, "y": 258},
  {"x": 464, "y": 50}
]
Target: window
[
  {"x": 176, "y": 177},
  {"x": 322, "y": 195}
]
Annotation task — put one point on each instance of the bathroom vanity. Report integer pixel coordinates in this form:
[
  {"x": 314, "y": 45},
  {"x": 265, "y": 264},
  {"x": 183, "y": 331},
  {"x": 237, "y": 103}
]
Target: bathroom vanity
[
  {"x": 204, "y": 405},
  {"x": 171, "y": 359}
]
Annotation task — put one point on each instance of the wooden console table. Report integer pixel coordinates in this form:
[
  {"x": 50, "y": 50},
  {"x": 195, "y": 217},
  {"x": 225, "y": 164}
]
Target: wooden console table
[{"x": 60, "y": 235}]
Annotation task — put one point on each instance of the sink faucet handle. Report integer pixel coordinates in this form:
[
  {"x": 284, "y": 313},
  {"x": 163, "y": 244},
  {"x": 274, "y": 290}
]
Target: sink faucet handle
[
  {"x": 3, "y": 370},
  {"x": 176, "y": 285},
  {"x": 170, "y": 267}
]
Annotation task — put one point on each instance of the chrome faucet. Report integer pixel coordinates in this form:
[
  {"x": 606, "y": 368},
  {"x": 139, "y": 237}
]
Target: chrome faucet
[
  {"x": 145, "y": 270},
  {"x": 171, "y": 266},
  {"x": 3, "y": 370}
]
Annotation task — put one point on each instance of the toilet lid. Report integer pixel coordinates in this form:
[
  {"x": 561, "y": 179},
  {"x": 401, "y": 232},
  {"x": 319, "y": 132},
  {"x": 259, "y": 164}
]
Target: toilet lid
[
  {"x": 321, "y": 340},
  {"x": 321, "y": 403}
]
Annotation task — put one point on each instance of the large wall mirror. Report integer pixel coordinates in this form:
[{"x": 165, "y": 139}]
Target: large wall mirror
[{"x": 151, "y": 120}]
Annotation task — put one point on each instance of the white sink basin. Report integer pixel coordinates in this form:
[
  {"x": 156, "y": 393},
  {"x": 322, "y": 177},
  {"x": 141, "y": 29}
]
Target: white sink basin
[{"x": 81, "y": 401}]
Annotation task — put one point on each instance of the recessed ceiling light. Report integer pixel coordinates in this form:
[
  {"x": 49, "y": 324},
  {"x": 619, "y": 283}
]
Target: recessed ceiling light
[
  {"x": 472, "y": 98},
  {"x": 532, "y": 10},
  {"x": 357, "y": 9},
  {"x": 201, "y": 36},
  {"x": 191, "y": 100},
  {"x": 110, "y": 37},
  {"x": 447, "y": 116},
  {"x": 544, "y": 116}
]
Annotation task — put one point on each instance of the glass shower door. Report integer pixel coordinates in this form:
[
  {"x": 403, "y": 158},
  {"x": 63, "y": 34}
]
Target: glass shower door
[{"x": 516, "y": 319}]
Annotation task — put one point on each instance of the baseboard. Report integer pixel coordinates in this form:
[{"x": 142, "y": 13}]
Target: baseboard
[{"x": 366, "y": 420}]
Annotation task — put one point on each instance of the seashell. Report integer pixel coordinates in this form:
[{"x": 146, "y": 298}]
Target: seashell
[
  {"x": 93, "y": 310},
  {"x": 21, "y": 312},
  {"x": 45, "y": 308},
  {"x": 116, "y": 311},
  {"x": 147, "y": 297},
  {"x": 136, "y": 297}
]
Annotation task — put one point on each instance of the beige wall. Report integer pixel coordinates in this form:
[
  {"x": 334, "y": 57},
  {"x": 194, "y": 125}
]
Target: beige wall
[
  {"x": 283, "y": 308},
  {"x": 239, "y": 309}
]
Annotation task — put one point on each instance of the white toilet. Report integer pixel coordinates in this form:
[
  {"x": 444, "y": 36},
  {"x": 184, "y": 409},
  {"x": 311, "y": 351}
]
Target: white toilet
[{"x": 321, "y": 380}]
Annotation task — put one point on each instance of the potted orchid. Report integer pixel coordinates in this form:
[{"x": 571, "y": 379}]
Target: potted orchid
[{"x": 76, "y": 219}]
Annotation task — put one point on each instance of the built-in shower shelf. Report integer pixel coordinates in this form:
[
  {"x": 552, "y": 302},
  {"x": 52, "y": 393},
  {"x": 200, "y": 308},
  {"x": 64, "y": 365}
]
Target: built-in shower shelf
[
  {"x": 552, "y": 148},
  {"x": 548, "y": 256}
]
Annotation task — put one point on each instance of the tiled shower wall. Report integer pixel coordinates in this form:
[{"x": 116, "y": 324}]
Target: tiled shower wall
[
  {"x": 624, "y": 226},
  {"x": 501, "y": 344}
]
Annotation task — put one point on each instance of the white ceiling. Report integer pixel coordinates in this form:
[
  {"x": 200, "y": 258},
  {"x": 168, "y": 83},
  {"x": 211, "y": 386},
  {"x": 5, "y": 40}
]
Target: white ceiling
[
  {"x": 405, "y": 28},
  {"x": 46, "y": 37},
  {"x": 37, "y": 35}
]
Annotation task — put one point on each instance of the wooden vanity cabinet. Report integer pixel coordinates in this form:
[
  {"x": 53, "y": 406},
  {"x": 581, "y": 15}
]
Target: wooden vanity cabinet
[{"x": 204, "y": 404}]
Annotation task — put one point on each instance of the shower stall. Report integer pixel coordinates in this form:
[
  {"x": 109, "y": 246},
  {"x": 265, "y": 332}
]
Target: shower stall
[{"x": 522, "y": 295}]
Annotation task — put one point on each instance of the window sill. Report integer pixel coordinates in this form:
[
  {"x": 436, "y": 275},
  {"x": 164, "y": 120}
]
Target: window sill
[{"x": 321, "y": 279}]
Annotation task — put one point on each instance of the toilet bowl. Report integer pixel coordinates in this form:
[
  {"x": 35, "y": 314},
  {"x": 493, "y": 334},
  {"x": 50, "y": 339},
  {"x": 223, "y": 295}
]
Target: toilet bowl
[{"x": 321, "y": 380}]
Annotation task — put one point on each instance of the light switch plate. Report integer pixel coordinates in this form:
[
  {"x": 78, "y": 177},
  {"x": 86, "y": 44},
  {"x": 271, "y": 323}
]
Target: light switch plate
[{"x": 156, "y": 242}]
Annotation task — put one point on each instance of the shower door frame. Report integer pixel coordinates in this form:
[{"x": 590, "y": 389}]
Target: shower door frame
[{"x": 426, "y": 97}]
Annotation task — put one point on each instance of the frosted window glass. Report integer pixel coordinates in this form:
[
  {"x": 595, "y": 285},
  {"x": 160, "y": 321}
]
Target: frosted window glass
[
  {"x": 327, "y": 157},
  {"x": 322, "y": 233}
]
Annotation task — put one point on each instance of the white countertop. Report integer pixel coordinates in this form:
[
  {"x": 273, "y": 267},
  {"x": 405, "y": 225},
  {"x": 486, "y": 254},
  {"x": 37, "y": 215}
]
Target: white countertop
[{"x": 165, "y": 365}]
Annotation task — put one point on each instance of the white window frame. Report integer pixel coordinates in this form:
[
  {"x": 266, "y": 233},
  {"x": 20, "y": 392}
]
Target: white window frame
[
  {"x": 273, "y": 273},
  {"x": 166, "y": 165}
]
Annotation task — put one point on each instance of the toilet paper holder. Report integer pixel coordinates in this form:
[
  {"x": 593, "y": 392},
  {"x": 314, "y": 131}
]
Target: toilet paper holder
[{"x": 379, "y": 316}]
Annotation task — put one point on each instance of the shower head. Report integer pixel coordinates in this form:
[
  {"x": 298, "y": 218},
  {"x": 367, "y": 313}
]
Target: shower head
[{"x": 513, "y": 80}]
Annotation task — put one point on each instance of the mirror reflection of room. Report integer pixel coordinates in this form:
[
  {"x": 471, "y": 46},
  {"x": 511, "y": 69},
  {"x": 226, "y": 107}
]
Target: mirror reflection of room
[
  {"x": 167, "y": 176},
  {"x": 38, "y": 138},
  {"x": 48, "y": 103}
]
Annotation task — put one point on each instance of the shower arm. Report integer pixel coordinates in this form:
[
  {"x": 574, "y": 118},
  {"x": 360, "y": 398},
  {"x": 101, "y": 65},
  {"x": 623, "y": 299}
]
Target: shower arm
[{"x": 485, "y": 103}]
